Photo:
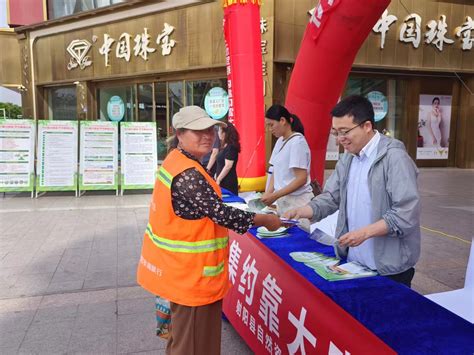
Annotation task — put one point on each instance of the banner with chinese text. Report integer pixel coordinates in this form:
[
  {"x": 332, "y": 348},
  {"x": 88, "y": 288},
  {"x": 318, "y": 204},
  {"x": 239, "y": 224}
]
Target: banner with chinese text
[
  {"x": 17, "y": 152},
  {"x": 56, "y": 167},
  {"x": 138, "y": 153},
  {"x": 277, "y": 311},
  {"x": 98, "y": 156}
]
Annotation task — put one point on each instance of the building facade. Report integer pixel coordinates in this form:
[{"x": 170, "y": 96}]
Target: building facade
[{"x": 142, "y": 61}]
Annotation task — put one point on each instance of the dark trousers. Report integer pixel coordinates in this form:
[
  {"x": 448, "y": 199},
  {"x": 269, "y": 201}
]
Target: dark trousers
[
  {"x": 195, "y": 330},
  {"x": 404, "y": 277}
]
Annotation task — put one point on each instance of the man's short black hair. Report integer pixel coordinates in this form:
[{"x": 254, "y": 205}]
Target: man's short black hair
[{"x": 359, "y": 107}]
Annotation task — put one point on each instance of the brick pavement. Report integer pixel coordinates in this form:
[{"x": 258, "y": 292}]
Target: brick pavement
[{"x": 67, "y": 267}]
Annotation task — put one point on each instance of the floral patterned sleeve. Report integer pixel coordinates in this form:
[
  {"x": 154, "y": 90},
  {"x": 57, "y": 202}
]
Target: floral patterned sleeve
[{"x": 194, "y": 198}]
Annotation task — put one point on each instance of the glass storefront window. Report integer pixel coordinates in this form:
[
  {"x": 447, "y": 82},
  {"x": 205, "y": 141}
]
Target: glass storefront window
[
  {"x": 388, "y": 101},
  {"x": 161, "y": 119},
  {"x": 175, "y": 97},
  {"x": 61, "y": 8},
  {"x": 62, "y": 103},
  {"x": 196, "y": 90},
  {"x": 145, "y": 102},
  {"x": 153, "y": 102},
  {"x": 117, "y": 103}
]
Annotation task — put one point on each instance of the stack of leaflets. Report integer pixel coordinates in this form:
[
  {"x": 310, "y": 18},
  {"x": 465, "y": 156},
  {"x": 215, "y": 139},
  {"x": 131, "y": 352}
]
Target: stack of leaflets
[
  {"x": 263, "y": 232},
  {"x": 257, "y": 206},
  {"x": 329, "y": 268}
]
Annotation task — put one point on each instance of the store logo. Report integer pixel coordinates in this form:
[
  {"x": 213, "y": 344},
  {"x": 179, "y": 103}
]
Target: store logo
[{"x": 78, "y": 50}]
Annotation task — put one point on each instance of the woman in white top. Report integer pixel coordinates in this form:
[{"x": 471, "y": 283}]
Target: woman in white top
[
  {"x": 289, "y": 183},
  {"x": 434, "y": 121}
]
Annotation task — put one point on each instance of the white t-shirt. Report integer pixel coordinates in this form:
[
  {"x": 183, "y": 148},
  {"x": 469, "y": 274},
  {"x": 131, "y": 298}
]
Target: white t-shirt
[{"x": 295, "y": 154}]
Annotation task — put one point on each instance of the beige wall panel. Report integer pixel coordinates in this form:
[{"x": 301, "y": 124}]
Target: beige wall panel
[
  {"x": 199, "y": 36},
  {"x": 372, "y": 49},
  {"x": 218, "y": 55},
  {"x": 285, "y": 11},
  {"x": 285, "y": 42},
  {"x": 456, "y": 54},
  {"x": 465, "y": 126},
  {"x": 415, "y": 55},
  {"x": 10, "y": 68},
  {"x": 300, "y": 10}
]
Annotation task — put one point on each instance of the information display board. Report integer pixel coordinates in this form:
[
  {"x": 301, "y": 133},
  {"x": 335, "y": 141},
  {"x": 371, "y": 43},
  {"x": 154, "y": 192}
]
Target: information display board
[
  {"x": 98, "y": 156},
  {"x": 56, "y": 167},
  {"x": 138, "y": 155},
  {"x": 17, "y": 147}
]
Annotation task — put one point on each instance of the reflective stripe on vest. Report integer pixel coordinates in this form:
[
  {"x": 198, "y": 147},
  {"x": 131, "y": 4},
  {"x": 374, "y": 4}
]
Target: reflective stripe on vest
[
  {"x": 165, "y": 177},
  {"x": 213, "y": 270},
  {"x": 202, "y": 246}
]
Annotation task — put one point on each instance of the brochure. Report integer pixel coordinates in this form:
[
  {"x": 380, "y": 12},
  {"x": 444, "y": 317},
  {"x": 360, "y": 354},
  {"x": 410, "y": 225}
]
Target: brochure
[
  {"x": 329, "y": 268},
  {"x": 257, "y": 206},
  {"x": 347, "y": 271}
]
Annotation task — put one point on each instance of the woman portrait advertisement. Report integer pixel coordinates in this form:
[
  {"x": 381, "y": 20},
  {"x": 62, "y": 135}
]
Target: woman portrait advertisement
[
  {"x": 289, "y": 183},
  {"x": 185, "y": 250},
  {"x": 434, "y": 120},
  {"x": 226, "y": 171}
]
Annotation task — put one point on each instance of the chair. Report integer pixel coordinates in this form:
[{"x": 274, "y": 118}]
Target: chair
[{"x": 460, "y": 302}]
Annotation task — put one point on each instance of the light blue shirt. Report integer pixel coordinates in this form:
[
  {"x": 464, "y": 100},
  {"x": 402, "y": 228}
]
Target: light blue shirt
[{"x": 359, "y": 203}]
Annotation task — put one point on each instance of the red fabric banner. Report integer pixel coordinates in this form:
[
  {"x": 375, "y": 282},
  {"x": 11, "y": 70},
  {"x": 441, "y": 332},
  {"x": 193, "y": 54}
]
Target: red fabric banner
[
  {"x": 333, "y": 36},
  {"x": 277, "y": 311}
]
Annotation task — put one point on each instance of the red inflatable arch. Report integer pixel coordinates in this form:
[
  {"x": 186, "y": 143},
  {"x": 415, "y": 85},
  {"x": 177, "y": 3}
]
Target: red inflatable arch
[{"x": 331, "y": 41}]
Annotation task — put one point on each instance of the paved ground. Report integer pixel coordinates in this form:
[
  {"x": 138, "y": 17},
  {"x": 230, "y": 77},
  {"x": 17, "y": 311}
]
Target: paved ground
[{"x": 67, "y": 267}]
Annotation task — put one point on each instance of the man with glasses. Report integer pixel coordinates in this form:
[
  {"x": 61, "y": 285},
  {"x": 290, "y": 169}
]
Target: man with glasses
[{"x": 374, "y": 188}]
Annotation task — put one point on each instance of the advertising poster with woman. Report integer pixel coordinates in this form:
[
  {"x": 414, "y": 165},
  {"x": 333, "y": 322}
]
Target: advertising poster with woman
[{"x": 434, "y": 119}]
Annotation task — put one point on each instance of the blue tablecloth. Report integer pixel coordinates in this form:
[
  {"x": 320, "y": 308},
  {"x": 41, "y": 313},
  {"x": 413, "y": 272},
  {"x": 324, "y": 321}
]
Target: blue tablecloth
[
  {"x": 228, "y": 196},
  {"x": 405, "y": 320}
]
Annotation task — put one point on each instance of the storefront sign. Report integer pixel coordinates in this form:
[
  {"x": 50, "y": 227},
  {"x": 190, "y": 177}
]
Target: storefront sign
[
  {"x": 115, "y": 108},
  {"x": 434, "y": 120},
  {"x": 17, "y": 151},
  {"x": 141, "y": 47},
  {"x": 437, "y": 33},
  {"x": 56, "y": 167},
  {"x": 379, "y": 103},
  {"x": 98, "y": 155},
  {"x": 216, "y": 103},
  {"x": 411, "y": 30},
  {"x": 138, "y": 155}
]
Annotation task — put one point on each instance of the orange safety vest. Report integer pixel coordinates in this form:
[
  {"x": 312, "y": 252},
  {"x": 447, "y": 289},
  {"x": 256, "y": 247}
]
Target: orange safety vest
[{"x": 184, "y": 261}]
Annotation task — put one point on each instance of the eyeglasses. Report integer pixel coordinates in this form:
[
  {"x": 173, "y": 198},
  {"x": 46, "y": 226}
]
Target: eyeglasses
[{"x": 344, "y": 133}]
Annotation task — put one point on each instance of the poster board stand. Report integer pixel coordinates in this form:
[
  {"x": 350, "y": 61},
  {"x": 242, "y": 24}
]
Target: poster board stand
[
  {"x": 98, "y": 168},
  {"x": 138, "y": 155},
  {"x": 17, "y": 151},
  {"x": 56, "y": 166}
]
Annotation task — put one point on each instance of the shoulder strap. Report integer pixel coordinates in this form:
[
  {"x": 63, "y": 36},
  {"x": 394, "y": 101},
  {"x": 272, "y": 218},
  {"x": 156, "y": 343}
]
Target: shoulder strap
[{"x": 290, "y": 137}]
